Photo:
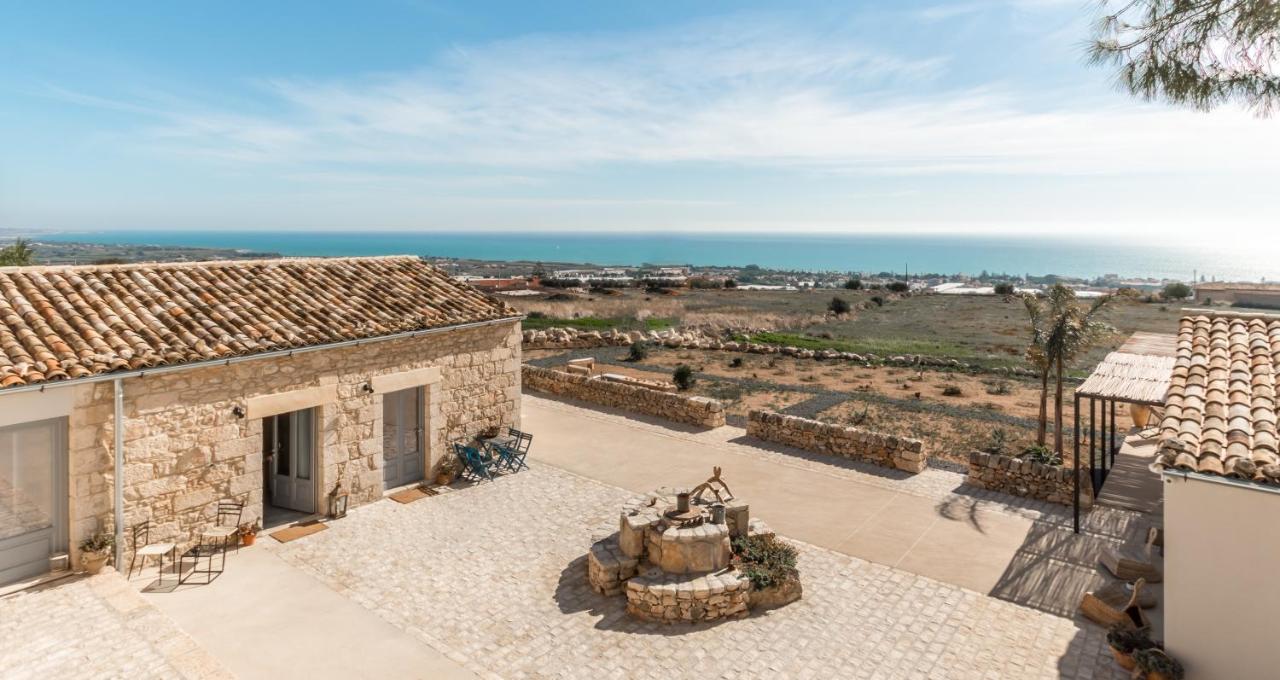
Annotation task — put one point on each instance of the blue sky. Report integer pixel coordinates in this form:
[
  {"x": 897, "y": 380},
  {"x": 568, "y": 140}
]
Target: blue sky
[{"x": 882, "y": 117}]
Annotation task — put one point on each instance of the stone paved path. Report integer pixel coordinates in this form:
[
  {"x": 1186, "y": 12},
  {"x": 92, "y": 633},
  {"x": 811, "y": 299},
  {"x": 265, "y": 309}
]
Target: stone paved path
[
  {"x": 97, "y": 627},
  {"x": 494, "y": 575}
]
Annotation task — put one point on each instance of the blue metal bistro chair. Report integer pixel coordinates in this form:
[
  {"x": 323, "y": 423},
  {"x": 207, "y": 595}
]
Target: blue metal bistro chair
[
  {"x": 513, "y": 449},
  {"x": 473, "y": 462}
]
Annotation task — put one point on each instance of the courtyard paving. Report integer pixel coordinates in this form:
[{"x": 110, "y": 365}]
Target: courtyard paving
[
  {"x": 95, "y": 627},
  {"x": 494, "y": 576},
  {"x": 931, "y": 523}
]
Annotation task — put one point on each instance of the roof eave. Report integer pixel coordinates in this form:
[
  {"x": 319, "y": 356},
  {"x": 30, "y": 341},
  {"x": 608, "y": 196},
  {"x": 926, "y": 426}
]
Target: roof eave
[{"x": 244, "y": 358}]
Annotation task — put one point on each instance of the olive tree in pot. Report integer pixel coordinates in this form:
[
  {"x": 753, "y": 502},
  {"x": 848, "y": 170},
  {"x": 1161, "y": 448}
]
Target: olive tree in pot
[{"x": 96, "y": 550}]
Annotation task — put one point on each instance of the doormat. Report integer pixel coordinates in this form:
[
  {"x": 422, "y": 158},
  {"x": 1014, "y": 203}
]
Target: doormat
[
  {"x": 297, "y": 531},
  {"x": 411, "y": 495}
]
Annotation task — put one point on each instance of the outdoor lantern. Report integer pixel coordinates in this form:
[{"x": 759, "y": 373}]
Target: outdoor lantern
[{"x": 338, "y": 502}]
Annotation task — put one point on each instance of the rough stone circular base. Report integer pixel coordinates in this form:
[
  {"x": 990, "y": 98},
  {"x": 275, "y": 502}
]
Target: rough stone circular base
[{"x": 685, "y": 598}]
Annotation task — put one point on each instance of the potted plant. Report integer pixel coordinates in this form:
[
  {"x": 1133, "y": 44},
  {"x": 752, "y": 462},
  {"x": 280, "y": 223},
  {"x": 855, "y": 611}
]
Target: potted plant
[
  {"x": 249, "y": 532},
  {"x": 1124, "y": 641},
  {"x": 95, "y": 550},
  {"x": 450, "y": 466},
  {"x": 1155, "y": 664}
]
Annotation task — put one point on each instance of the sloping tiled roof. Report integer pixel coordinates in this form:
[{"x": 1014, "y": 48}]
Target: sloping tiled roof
[
  {"x": 1220, "y": 414},
  {"x": 59, "y": 323}
]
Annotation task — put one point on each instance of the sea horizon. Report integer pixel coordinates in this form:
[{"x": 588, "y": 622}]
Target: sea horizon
[{"x": 816, "y": 252}]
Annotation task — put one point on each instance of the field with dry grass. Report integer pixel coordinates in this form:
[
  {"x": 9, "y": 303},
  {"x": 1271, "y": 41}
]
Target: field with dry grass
[
  {"x": 953, "y": 412},
  {"x": 984, "y": 331}
]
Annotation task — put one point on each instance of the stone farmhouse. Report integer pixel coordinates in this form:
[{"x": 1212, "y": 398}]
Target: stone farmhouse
[{"x": 154, "y": 391}]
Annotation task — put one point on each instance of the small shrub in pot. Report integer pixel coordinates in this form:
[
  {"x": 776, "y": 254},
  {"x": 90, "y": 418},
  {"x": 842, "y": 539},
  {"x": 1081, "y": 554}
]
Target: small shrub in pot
[{"x": 1157, "y": 665}]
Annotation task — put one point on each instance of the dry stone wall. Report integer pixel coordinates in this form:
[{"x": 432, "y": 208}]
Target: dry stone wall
[
  {"x": 838, "y": 440},
  {"x": 1028, "y": 479},
  {"x": 186, "y": 449},
  {"x": 699, "y": 411},
  {"x": 571, "y": 338}
]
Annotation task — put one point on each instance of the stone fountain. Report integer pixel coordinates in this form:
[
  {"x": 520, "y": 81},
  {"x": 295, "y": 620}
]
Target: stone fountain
[{"x": 672, "y": 555}]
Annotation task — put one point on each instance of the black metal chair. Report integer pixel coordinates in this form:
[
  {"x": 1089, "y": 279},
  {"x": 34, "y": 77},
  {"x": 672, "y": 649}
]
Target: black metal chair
[
  {"x": 214, "y": 541},
  {"x": 144, "y": 548}
]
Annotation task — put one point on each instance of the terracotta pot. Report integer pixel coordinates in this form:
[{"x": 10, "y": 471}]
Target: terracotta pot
[
  {"x": 248, "y": 539},
  {"x": 93, "y": 562},
  {"x": 1140, "y": 415},
  {"x": 1125, "y": 660}
]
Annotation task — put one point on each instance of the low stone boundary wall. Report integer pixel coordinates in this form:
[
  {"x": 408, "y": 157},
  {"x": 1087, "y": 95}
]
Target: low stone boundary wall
[
  {"x": 699, "y": 411},
  {"x": 838, "y": 440},
  {"x": 1028, "y": 479},
  {"x": 572, "y": 338}
]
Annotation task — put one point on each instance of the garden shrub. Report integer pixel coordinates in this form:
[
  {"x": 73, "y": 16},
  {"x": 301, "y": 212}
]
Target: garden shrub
[
  {"x": 683, "y": 377},
  {"x": 765, "y": 560},
  {"x": 1039, "y": 453},
  {"x": 639, "y": 351}
]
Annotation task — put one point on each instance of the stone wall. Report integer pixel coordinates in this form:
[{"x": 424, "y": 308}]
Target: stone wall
[
  {"x": 572, "y": 338},
  {"x": 1028, "y": 479},
  {"x": 699, "y": 411},
  {"x": 838, "y": 440},
  {"x": 185, "y": 448}
]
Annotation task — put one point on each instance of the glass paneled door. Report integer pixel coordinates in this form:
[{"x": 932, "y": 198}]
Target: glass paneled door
[
  {"x": 33, "y": 497},
  {"x": 288, "y": 451},
  {"x": 402, "y": 454}
]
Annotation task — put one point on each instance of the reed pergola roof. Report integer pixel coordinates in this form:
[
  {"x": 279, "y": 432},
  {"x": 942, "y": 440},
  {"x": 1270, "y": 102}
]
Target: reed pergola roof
[{"x": 1130, "y": 377}]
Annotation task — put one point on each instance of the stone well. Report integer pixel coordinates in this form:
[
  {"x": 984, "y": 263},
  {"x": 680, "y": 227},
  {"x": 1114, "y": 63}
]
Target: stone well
[{"x": 674, "y": 561}]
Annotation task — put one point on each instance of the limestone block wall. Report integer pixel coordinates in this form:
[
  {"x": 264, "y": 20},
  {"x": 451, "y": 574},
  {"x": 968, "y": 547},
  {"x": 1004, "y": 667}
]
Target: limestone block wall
[
  {"x": 699, "y": 411},
  {"x": 1028, "y": 479},
  {"x": 838, "y": 440},
  {"x": 185, "y": 449}
]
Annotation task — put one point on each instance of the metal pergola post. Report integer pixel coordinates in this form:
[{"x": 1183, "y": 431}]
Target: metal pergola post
[
  {"x": 1076, "y": 444},
  {"x": 1112, "y": 441},
  {"x": 1093, "y": 442},
  {"x": 1100, "y": 475}
]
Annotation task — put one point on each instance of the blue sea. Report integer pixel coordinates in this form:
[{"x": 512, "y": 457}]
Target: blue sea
[{"x": 1084, "y": 257}]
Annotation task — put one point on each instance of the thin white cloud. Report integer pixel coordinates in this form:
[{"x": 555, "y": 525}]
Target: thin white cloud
[{"x": 737, "y": 92}]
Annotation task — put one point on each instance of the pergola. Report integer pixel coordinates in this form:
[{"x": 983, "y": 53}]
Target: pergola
[{"x": 1137, "y": 373}]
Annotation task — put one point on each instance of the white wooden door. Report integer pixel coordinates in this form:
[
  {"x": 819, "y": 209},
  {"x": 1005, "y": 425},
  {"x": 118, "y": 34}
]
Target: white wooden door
[
  {"x": 33, "y": 497},
  {"x": 402, "y": 451},
  {"x": 288, "y": 441}
]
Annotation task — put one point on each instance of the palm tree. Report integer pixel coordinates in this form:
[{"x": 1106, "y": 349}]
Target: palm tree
[
  {"x": 20, "y": 254},
  {"x": 1045, "y": 315},
  {"x": 1073, "y": 332},
  {"x": 1038, "y": 356}
]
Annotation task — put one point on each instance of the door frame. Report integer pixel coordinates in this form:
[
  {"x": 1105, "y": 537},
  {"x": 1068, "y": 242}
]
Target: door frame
[
  {"x": 421, "y": 394},
  {"x": 316, "y": 467},
  {"x": 57, "y": 536}
]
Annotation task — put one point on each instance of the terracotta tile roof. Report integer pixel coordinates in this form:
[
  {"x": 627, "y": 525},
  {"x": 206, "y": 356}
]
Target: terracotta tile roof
[
  {"x": 1220, "y": 413},
  {"x": 60, "y": 323}
]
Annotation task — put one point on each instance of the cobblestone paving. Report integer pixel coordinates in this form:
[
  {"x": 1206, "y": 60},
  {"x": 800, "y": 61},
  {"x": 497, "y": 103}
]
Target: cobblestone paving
[
  {"x": 495, "y": 576},
  {"x": 96, "y": 627},
  {"x": 1051, "y": 571}
]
